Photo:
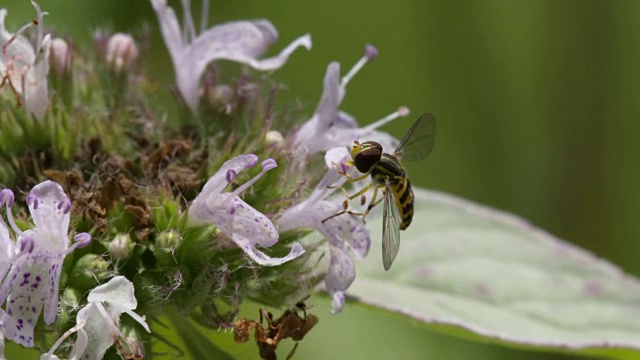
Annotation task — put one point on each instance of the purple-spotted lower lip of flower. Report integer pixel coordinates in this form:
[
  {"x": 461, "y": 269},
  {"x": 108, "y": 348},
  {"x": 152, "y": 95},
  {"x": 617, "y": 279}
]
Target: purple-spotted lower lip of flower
[
  {"x": 240, "y": 222},
  {"x": 240, "y": 41},
  {"x": 31, "y": 284}
]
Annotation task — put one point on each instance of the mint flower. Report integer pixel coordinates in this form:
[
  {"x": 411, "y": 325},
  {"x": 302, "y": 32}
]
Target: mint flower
[
  {"x": 32, "y": 282},
  {"x": 241, "y": 41},
  {"x": 342, "y": 232},
  {"x": 329, "y": 127},
  {"x": 236, "y": 219},
  {"x": 97, "y": 324},
  {"x": 25, "y": 67}
]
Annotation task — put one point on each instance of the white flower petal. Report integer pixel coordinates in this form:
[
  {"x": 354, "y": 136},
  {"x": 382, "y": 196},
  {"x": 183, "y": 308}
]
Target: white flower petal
[
  {"x": 25, "y": 66},
  {"x": 337, "y": 302},
  {"x": 95, "y": 337},
  {"x": 19, "y": 52},
  {"x": 97, "y": 322},
  {"x": 118, "y": 290},
  {"x": 336, "y": 156},
  {"x": 264, "y": 260},
  {"x": 170, "y": 28},
  {"x": 342, "y": 271},
  {"x": 36, "y": 95}
]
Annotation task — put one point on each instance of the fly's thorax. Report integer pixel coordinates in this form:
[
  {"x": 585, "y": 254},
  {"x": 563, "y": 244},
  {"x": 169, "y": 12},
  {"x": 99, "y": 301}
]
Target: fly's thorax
[
  {"x": 366, "y": 155},
  {"x": 388, "y": 168}
]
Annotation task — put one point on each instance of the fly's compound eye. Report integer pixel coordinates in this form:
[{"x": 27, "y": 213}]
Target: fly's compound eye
[{"x": 368, "y": 155}]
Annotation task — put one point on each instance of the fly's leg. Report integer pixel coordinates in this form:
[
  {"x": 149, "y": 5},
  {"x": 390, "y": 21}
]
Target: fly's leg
[
  {"x": 292, "y": 352},
  {"x": 345, "y": 204},
  {"x": 372, "y": 203},
  {"x": 362, "y": 191}
]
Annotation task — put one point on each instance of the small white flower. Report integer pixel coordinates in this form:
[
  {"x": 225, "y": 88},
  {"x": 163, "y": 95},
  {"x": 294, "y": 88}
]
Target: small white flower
[
  {"x": 25, "y": 67},
  {"x": 33, "y": 279},
  {"x": 243, "y": 224},
  {"x": 342, "y": 232},
  {"x": 97, "y": 324},
  {"x": 122, "y": 51},
  {"x": 240, "y": 41},
  {"x": 329, "y": 127}
]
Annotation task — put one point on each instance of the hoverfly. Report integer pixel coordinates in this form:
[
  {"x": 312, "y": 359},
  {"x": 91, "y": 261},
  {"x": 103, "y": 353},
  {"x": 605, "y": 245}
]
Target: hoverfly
[{"x": 388, "y": 174}]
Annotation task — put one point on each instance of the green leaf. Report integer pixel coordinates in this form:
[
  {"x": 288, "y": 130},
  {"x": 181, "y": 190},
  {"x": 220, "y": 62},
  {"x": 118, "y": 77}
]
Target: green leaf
[
  {"x": 481, "y": 274},
  {"x": 197, "y": 344}
]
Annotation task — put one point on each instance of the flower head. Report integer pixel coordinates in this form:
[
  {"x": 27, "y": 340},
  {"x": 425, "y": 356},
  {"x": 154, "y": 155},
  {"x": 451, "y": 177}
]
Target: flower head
[
  {"x": 236, "y": 219},
  {"x": 33, "y": 279},
  {"x": 342, "y": 232},
  {"x": 329, "y": 127},
  {"x": 24, "y": 66},
  {"x": 97, "y": 324},
  {"x": 240, "y": 41}
]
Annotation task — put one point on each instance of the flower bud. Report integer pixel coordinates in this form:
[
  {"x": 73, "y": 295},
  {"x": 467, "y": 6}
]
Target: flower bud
[
  {"x": 121, "y": 247},
  {"x": 131, "y": 346},
  {"x": 220, "y": 97},
  {"x": 273, "y": 137},
  {"x": 90, "y": 271},
  {"x": 122, "y": 51},
  {"x": 70, "y": 301},
  {"x": 166, "y": 243},
  {"x": 61, "y": 57}
]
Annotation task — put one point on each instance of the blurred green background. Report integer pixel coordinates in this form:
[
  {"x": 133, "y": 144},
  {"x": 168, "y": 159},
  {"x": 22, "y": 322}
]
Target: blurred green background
[{"x": 538, "y": 104}]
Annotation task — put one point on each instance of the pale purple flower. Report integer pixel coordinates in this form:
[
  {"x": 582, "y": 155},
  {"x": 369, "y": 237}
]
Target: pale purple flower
[
  {"x": 342, "y": 232},
  {"x": 240, "y": 41},
  {"x": 244, "y": 225},
  {"x": 97, "y": 324},
  {"x": 7, "y": 251},
  {"x": 33, "y": 279},
  {"x": 329, "y": 127},
  {"x": 24, "y": 66}
]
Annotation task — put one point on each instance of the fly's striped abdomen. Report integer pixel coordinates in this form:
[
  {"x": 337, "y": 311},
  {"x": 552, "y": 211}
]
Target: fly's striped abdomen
[
  {"x": 404, "y": 201},
  {"x": 389, "y": 168}
]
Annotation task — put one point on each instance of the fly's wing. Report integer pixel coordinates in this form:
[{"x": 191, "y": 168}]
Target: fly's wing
[
  {"x": 419, "y": 140},
  {"x": 390, "y": 228}
]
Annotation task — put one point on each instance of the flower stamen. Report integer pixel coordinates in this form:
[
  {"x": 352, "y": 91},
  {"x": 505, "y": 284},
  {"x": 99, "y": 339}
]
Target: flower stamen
[
  {"x": 401, "y": 112},
  {"x": 267, "y": 165},
  {"x": 370, "y": 54}
]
